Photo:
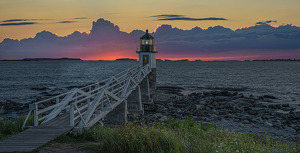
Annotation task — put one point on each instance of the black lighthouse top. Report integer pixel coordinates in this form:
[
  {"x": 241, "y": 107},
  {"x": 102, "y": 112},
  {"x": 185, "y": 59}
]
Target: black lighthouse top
[
  {"x": 146, "y": 44},
  {"x": 147, "y": 36}
]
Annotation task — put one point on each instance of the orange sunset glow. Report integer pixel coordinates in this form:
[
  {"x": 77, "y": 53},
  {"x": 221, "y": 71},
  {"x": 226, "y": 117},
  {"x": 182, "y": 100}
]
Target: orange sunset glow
[{"x": 105, "y": 30}]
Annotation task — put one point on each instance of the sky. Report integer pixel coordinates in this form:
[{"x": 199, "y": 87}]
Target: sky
[{"x": 22, "y": 19}]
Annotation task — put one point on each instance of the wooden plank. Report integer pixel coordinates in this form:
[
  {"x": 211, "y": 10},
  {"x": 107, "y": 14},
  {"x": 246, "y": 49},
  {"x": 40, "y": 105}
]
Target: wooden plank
[{"x": 35, "y": 137}]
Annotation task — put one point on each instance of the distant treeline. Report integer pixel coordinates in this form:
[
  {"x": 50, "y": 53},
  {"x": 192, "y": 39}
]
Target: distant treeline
[{"x": 279, "y": 60}]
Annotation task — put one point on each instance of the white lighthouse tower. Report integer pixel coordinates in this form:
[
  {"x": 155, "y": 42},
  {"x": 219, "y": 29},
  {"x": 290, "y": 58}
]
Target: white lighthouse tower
[{"x": 147, "y": 52}]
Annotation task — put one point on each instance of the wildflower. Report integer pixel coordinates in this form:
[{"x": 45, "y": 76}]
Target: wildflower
[
  {"x": 217, "y": 151},
  {"x": 221, "y": 143},
  {"x": 234, "y": 139},
  {"x": 237, "y": 150}
]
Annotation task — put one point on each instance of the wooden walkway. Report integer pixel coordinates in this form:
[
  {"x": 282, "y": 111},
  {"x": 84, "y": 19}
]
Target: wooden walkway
[
  {"x": 80, "y": 108},
  {"x": 35, "y": 137}
]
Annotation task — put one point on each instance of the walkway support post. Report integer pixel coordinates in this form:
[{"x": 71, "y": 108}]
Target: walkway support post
[
  {"x": 117, "y": 116},
  {"x": 134, "y": 101},
  {"x": 72, "y": 115}
]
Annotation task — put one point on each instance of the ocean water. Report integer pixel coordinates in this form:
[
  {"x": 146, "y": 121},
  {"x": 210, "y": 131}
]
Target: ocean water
[{"x": 24, "y": 82}]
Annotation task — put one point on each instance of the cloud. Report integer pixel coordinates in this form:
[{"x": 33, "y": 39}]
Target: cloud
[
  {"x": 19, "y": 20},
  {"x": 80, "y": 18},
  {"x": 266, "y": 22},
  {"x": 15, "y": 20},
  {"x": 194, "y": 19},
  {"x": 175, "y": 17},
  {"x": 66, "y": 21},
  {"x": 17, "y": 23},
  {"x": 106, "y": 41}
]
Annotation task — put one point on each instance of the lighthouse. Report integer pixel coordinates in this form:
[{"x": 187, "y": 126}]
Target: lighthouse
[{"x": 147, "y": 51}]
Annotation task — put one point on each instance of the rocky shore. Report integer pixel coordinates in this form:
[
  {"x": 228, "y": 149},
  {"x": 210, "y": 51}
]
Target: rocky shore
[
  {"x": 228, "y": 109},
  {"x": 12, "y": 109}
]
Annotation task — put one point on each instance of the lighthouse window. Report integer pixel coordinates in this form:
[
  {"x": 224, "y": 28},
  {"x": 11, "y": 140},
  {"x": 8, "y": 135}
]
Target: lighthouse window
[
  {"x": 145, "y": 59},
  {"x": 147, "y": 41}
]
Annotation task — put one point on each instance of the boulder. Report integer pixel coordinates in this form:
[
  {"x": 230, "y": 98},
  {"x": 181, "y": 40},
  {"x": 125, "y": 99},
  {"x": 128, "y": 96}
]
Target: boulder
[
  {"x": 268, "y": 124},
  {"x": 285, "y": 105},
  {"x": 269, "y": 96},
  {"x": 12, "y": 106},
  {"x": 198, "y": 107},
  {"x": 278, "y": 124},
  {"x": 245, "y": 122},
  {"x": 252, "y": 112},
  {"x": 274, "y": 106},
  {"x": 295, "y": 114},
  {"x": 2, "y": 111},
  {"x": 162, "y": 97},
  {"x": 150, "y": 108}
]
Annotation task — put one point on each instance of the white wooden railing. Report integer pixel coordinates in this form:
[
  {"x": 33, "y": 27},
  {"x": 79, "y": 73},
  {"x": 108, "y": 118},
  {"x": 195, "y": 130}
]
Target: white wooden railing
[{"x": 89, "y": 104}]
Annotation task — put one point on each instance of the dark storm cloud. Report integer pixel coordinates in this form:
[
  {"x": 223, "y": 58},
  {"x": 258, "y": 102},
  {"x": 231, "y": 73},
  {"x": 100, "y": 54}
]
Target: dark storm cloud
[
  {"x": 66, "y": 21},
  {"x": 19, "y": 20},
  {"x": 194, "y": 19},
  {"x": 175, "y": 17},
  {"x": 17, "y": 23},
  {"x": 15, "y": 20},
  {"x": 266, "y": 22}
]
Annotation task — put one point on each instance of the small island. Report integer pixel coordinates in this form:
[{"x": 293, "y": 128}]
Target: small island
[{"x": 125, "y": 59}]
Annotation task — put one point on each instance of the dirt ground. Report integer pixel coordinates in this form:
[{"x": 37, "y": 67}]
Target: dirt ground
[{"x": 67, "y": 148}]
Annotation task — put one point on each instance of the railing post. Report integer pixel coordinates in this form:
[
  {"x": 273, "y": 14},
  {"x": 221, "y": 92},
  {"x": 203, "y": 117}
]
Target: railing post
[
  {"x": 34, "y": 107},
  {"x": 89, "y": 102},
  {"x": 138, "y": 88},
  {"x": 72, "y": 115}
]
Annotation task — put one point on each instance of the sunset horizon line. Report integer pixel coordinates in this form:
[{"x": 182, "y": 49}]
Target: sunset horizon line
[{"x": 210, "y": 59}]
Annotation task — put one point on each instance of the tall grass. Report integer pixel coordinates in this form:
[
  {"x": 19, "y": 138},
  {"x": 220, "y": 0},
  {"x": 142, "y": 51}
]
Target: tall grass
[
  {"x": 9, "y": 127},
  {"x": 175, "y": 136}
]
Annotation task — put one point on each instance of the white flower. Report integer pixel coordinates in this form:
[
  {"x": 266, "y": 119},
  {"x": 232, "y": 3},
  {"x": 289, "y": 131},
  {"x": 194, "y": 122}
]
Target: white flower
[{"x": 237, "y": 150}]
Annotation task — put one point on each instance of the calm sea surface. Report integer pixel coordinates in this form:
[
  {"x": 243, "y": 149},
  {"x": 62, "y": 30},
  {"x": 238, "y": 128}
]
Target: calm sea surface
[{"x": 19, "y": 80}]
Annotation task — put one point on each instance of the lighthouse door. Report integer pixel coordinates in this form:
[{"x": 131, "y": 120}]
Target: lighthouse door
[{"x": 145, "y": 59}]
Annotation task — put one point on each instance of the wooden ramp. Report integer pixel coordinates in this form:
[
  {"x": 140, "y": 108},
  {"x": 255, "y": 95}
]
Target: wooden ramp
[
  {"x": 80, "y": 108},
  {"x": 35, "y": 137}
]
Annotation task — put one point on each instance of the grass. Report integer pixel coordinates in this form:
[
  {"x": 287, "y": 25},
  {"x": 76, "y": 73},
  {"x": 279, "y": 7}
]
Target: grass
[
  {"x": 9, "y": 127},
  {"x": 175, "y": 136}
]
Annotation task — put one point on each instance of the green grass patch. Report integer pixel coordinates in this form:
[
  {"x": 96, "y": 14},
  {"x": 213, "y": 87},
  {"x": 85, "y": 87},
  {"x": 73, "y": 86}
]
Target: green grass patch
[
  {"x": 175, "y": 136},
  {"x": 9, "y": 127}
]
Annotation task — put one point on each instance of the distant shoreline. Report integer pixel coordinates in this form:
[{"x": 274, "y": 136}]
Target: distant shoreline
[
  {"x": 44, "y": 59},
  {"x": 129, "y": 59}
]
